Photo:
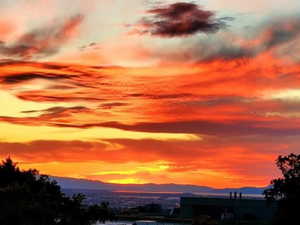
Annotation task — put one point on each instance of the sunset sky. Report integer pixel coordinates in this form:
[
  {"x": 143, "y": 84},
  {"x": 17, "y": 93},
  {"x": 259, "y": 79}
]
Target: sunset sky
[{"x": 202, "y": 92}]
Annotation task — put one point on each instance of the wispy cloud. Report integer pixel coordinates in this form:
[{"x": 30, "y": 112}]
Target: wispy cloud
[{"x": 42, "y": 42}]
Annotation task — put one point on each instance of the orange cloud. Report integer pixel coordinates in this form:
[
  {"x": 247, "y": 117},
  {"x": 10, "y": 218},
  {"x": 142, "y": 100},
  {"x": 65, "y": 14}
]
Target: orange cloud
[
  {"x": 209, "y": 98},
  {"x": 220, "y": 162}
]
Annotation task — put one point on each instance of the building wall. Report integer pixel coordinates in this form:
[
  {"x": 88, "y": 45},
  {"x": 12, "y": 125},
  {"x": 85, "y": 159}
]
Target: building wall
[{"x": 192, "y": 207}]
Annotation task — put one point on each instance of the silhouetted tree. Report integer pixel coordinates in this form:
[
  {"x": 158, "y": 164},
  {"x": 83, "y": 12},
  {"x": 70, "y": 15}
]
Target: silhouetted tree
[
  {"x": 27, "y": 198},
  {"x": 286, "y": 190},
  {"x": 101, "y": 212}
]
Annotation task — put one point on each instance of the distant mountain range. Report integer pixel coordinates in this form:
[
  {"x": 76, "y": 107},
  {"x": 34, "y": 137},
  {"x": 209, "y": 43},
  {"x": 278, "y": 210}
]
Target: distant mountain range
[{"x": 73, "y": 183}]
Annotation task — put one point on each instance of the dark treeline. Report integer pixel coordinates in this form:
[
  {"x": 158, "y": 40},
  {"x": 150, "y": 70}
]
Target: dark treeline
[
  {"x": 28, "y": 198},
  {"x": 286, "y": 190}
]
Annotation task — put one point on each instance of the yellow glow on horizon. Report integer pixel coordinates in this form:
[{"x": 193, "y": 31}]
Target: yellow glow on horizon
[
  {"x": 133, "y": 174},
  {"x": 159, "y": 166},
  {"x": 98, "y": 170},
  {"x": 120, "y": 172},
  {"x": 127, "y": 181}
]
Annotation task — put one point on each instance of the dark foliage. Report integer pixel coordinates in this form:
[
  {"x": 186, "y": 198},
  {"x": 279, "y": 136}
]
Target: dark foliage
[
  {"x": 286, "y": 190},
  {"x": 27, "y": 198}
]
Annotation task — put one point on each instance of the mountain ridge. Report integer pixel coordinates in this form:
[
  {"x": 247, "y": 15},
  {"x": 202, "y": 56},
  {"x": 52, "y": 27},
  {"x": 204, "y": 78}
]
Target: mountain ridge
[{"x": 78, "y": 183}]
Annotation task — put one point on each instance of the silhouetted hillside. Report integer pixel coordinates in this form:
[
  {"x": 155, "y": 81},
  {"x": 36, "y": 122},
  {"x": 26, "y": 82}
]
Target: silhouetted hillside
[{"x": 72, "y": 183}]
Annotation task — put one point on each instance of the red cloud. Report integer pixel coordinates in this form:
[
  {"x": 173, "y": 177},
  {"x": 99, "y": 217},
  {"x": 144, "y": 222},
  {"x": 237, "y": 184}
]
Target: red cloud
[
  {"x": 43, "y": 41},
  {"x": 215, "y": 98}
]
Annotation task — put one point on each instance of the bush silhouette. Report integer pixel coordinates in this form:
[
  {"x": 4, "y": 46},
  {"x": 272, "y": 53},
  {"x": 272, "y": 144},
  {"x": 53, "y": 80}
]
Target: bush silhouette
[
  {"x": 28, "y": 198},
  {"x": 286, "y": 190}
]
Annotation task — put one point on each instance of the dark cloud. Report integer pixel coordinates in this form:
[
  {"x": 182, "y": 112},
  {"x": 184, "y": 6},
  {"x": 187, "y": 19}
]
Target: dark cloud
[
  {"x": 112, "y": 105},
  {"x": 217, "y": 101},
  {"x": 60, "y": 87},
  {"x": 211, "y": 128},
  {"x": 35, "y": 64},
  {"x": 42, "y": 42},
  {"x": 16, "y": 78},
  {"x": 271, "y": 35},
  {"x": 220, "y": 51},
  {"x": 40, "y": 97},
  {"x": 181, "y": 19},
  {"x": 48, "y": 116},
  {"x": 161, "y": 96},
  {"x": 92, "y": 45},
  {"x": 281, "y": 31},
  {"x": 237, "y": 128},
  {"x": 59, "y": 109},
  {"x": 268, "y": 37}
]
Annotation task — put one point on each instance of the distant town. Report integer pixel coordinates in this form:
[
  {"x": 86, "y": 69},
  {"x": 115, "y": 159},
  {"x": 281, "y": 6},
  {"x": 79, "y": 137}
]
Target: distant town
[{"x": 179, "y": 207}]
